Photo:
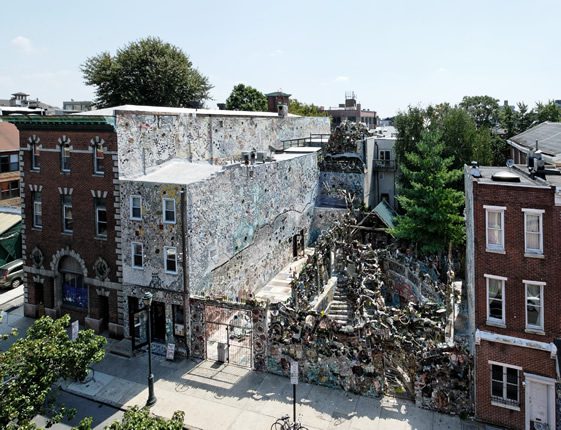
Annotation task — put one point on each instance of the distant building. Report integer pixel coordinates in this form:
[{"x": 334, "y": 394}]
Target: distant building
[
  {"x": 277, "y": 100},
  {"x": 9, "y": 165},
  {"x": 512, "y": 272},
  {"x": 544, "y": 137},
  {"x": 384, "y": 166},
  {"x": 352, "y": 111},
  {"x": 19, "y": 104},
  {"x": 74, "y": 106}
]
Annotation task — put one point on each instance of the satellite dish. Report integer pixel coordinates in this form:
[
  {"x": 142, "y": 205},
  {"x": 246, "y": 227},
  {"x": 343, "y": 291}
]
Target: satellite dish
[{"x": 509, "y": 162}]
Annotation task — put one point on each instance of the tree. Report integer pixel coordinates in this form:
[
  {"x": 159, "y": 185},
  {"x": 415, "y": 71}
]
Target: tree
[
  {"x": 30, "y": 367},
  {"x": 483, "y": 109},
  {"x": 432, "y": 208},
  {"x": 548, "y": 112},
  {"x": 246, "y": 98},
  {"x": 146, "y": 72},
  {"x": 298, "y": 108},
  {"x": 140, "y": 419}
]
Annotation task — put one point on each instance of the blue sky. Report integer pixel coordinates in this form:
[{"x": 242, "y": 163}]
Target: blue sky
[{"x": 391, "y": 54}]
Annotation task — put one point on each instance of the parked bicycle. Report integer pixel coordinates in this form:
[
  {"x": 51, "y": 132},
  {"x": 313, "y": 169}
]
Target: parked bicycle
[{"x": 283, "y": 423}]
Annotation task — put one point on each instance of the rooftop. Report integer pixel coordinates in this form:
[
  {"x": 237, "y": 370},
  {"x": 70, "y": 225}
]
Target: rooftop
[
  {"x": 177, "y": 111},
  {"x": 9, "y": 138},
  {"x": 60, "y": 121},
  {"x": 519, "y": 171},
  {"x": 548, "y": 136}
]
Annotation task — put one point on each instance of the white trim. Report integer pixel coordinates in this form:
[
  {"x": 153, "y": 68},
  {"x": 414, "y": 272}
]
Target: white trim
[
  {"x": 515, "y": 341},
  {"x": 525, "y": 281},
  {"x": 540, "y": 327},
  {"x": 166, "y": 249},
  {"x": 539, "y": 213},
  {"x": 164, "y": 200},
  {"x": 501, "y": 211},
  {"x": 504, "y": 364},
  {"x": 132, "y": 255},
  {"x": 500, "y": 278},
  {"x": 504, "y": 383},
  {"x": 491, "y": 320},
  {"x": 530, "y": 378},
  {"x": 131, "y": 207}
]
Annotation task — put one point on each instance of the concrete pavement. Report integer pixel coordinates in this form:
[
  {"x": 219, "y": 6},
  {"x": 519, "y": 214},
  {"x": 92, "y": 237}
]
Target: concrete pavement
[{"x": 221, "y": 396}]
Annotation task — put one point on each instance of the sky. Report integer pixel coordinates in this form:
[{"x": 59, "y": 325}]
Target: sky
[{"x": 392, "y": 54}]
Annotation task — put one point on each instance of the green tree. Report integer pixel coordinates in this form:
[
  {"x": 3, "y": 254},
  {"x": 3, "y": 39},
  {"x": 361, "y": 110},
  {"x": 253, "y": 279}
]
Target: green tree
[
  {"x": 432, "y": 208},
  {"x": 141, "y": 419},
  {"x": 298, "y": 108},
  {"x": 409, "y": 125},
  {"x": 146, "y": 72},
  {"x": 458, "y": 136},
  {"x": 526, "y": 118},
  {"x": 246, "y": 98},
  {"x": 483, "y": 109},
  {"x": 548, "y": 112},
  {"x": 30, "y": 367}
]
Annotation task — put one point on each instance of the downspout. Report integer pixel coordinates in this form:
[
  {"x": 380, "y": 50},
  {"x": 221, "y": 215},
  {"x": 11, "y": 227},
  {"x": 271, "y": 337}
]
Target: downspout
[
  {"x": 186, "y": 304},
  {"x": 376, "y": 181}
]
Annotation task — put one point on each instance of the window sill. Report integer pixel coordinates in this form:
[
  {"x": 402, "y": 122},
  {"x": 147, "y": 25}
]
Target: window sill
[
  {"x": 535, "y": 331},
  {"x": 35, "y": 170},
  {"x": 34, "y": 228},
  {"x": 526, "y": 254},
  {"x": 135, "y": 219},
  {"x": 170, "y": 273},
  {"x": 104, "y": 238},
  {"x": 502, "y": 405},
  {"x": 66, "y": 233},
  {"x": 98, "y": 175},
  {"x": 169, "y": 222},
  {"x": 495, "y": 251},
  {"x": 495, "y": 324},
  {"x": 137, "y": 268},
  {"x": 65, "y": 172}
]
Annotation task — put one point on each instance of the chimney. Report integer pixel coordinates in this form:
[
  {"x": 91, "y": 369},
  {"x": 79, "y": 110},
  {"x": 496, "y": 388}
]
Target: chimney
[{"x": 277, "y": 99}]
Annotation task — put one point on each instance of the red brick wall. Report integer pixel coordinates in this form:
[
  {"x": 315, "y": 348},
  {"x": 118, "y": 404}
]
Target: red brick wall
[
  {"x": 531, "y": 361},
  {"x": 513, "y": 264},
  {"x": 515, "y": 267},
  {"x": 50, "y": 238}
]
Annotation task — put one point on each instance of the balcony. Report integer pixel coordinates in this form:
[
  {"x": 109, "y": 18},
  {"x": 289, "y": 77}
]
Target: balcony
[{"x": 384, "y": 165}]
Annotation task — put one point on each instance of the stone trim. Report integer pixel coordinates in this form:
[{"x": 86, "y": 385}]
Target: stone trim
[
  {"x": 99, "y": 194},
  {"x": 70, "y": 253},
  {"x": 34, "y": 187},
  {"x": 65, "y": 191}
]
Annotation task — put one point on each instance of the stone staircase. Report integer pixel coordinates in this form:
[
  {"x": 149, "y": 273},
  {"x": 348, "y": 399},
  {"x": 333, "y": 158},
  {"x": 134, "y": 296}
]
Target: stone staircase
[{"x": 339, "y": 310}]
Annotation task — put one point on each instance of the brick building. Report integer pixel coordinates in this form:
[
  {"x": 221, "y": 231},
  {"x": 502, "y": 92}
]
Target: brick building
[
  {"x": 68, "y": 167},
  {"x": 513, "y": 280}
]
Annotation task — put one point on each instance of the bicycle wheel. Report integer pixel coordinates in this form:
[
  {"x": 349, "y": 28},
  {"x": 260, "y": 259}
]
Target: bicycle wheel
[{"x": 279, "y": 425}]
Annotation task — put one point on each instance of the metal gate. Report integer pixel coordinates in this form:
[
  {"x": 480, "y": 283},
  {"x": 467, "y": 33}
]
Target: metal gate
[
  {"x": 230, "y": 341},
  {"x": 137, "y": 326}
]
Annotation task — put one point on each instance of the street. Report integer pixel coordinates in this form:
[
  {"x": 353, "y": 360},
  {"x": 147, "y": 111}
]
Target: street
[{"x": 102, "y": 415}]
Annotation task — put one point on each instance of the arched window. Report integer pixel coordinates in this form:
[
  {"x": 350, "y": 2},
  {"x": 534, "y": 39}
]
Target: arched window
[{"x": 74, "y": 293}]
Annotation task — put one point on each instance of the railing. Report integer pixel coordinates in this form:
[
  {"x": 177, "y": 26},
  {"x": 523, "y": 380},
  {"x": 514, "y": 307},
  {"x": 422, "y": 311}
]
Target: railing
[
  {"x": 315, "y": 139},
  {"x": 384, "y": 164}
]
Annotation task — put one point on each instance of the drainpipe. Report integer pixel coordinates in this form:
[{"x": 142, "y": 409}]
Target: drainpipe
[
  {"x": 184, "y": 261},
  {"x": 376, "y": 181}
]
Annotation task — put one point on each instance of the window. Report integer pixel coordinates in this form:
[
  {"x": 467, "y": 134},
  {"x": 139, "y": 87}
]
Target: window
[
  {"x": 169, "y": 211},
  {"x": 534, "y": 305},
  {"x": 494, "y": 221},
  {"x": 9, "y": 163},
  {"x": 65, "y": 158},
  {"x": 67, "y": 221},
  {"x": 495, "y": 300},
  {"x": 170, "y": 259},
  {"x": 35, "y": 157},
  {"x": 100, "y": 217},
  {"x": 384, "y": 155},
  {"x": 74, "y": 293},
  {"x": 533, "y": 231},
  {"x": 98, "y": 159},
  {"x": 137, "y": 255},
  {"x": 136, "y": 210},
  {"x": 9, "y": 190},
  {"x": 37, "y": 210},
  {"x": 504, "y": 385}
]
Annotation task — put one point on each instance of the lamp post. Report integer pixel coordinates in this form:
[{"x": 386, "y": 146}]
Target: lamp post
[{"x": 147, "y": 300}]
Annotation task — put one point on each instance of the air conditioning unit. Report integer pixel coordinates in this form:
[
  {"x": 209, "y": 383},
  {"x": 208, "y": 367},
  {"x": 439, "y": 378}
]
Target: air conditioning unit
[{"x": 179, "y": 330}]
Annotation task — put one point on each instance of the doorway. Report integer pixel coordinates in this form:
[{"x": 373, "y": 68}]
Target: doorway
[
  {"x": 159, "y": 322},
  {"x": 540, "y": 402}
]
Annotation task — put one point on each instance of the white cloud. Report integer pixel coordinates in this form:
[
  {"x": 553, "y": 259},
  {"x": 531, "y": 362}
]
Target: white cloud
[
  {"x": 23, "y": 44},
  {"x": 342, "y": 79},
  {"x": 276, "y": 53},
  {"x": 442, "y": 70}
]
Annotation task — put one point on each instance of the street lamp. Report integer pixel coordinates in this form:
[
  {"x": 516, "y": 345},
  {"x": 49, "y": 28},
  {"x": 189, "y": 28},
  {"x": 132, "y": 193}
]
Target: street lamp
[{"x": 147, "y": 300}]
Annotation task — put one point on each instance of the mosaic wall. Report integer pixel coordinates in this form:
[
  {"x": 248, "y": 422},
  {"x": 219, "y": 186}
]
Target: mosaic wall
[
  {"x": 150, "y": 140},
  {"x": 241, "y": 224}
]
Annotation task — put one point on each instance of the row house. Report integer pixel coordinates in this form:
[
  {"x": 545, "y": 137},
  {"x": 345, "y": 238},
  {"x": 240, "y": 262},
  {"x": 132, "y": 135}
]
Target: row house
[
  {"x": 188, "y": 204},
  {"x": 514, "y": 294}
]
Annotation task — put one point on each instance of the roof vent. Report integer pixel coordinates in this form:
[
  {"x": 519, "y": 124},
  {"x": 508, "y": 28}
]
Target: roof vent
[
  {"x": 503, "y": 176},
  {"x": 474, "y": 171}
]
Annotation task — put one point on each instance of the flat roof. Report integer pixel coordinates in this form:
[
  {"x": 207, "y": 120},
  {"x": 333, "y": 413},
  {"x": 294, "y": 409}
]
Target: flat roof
[
  {"x": 177, "y": 111},
  {"x": 487, "y": 173},
  {"x": 301, "y": 149},
  {"x": 178, "y": 171}
]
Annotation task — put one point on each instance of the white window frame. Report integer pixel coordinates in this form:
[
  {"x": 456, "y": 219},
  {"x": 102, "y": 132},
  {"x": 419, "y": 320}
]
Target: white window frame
[
  {"x": 492, "y": 247},
  {"x": 504, "y": 402},
  {"x": 98, "y": 161},
  {"x": 539, "y": 213},
  {"x": 530, "y": 327},
  {"x": 37, "y": 209},
  {"x": 65, "y": 159},
  {"x": 131, "y": 200},
  {"x": 99, "y": 206},
  {"x": 164, "y": 211},
  {"x": 133, "y": 244},
  {"x": 65, "y": 206},
  {"x": 35, "y": 165},
  {"x": 491, "y": 320},
  {"x": 166, "y": 251}
]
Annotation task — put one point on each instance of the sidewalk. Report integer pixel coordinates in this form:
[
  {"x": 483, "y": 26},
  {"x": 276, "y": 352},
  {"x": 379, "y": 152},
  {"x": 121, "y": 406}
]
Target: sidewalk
[{"x": 220, "y": 397}]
